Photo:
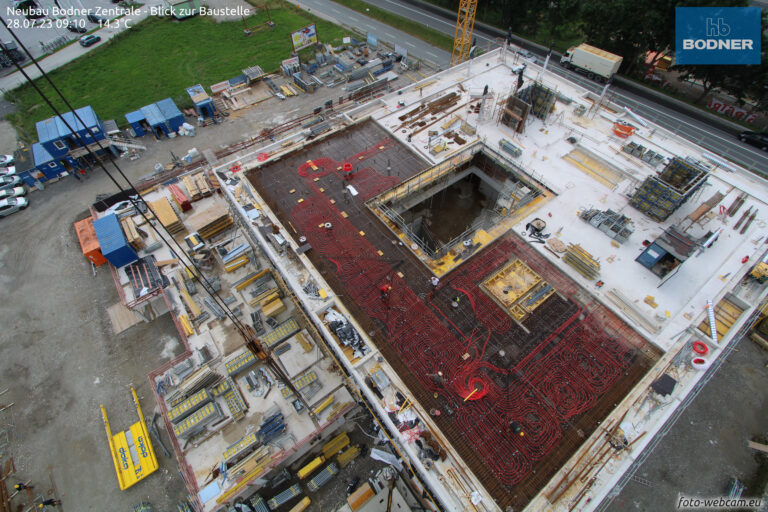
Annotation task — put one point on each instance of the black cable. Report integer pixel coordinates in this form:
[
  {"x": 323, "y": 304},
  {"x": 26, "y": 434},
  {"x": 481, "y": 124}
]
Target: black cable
[{"x": 132, "y": 193}]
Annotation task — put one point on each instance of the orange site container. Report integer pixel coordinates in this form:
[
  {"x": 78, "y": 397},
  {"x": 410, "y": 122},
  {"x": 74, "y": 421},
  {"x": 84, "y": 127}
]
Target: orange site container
[{"x": 88, "y": 241}]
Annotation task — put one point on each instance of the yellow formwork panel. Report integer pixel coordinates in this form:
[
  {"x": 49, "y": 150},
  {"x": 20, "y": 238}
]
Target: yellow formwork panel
[
  {"x": 132, "y": 452},
  {"x": 593, "y": 168},
  {"x": 336, "y": 444},
  {"x": 186, "y": 324},
  {"x": 309, "y": 468},
  {"x": 302, "y": 505}
]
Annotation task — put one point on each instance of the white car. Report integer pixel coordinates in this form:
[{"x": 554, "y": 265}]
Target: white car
[
  {"x": 527, "y": 55},
  {"x": 6, "y": 160},
  {"x": 12, "y": 205},
  {"x": 9, "y": 181},
  {"x": 13, "y": 192},
  {"x": 8, "y": 171}
]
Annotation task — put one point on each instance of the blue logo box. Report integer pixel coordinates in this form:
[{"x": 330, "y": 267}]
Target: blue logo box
[{"x": 717, "y": 35}]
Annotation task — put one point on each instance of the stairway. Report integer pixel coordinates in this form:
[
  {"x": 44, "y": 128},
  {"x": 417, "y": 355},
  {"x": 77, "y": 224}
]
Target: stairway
[{"x": 126, "y": 144}]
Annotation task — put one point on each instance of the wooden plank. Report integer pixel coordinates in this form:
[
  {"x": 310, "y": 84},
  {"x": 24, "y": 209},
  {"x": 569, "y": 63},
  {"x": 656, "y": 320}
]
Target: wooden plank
[{"x": 757, "y": 446}]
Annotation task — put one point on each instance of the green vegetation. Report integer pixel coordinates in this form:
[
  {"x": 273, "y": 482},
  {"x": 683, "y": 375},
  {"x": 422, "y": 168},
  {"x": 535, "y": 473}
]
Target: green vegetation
[
  {"x": 159, "y": 58},
  {"x": 628, "y": 28},
  {"x": 414, "y": 28}
]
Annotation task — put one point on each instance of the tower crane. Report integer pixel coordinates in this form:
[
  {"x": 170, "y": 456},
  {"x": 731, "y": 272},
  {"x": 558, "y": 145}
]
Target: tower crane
[{"x": 465, "y": 22}]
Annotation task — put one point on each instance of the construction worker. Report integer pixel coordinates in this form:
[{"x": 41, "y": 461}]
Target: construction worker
[
  {"x": 384, "y": 289},
  {"x": 21, "y": 486},
  {"x": 50, "y": 502}
]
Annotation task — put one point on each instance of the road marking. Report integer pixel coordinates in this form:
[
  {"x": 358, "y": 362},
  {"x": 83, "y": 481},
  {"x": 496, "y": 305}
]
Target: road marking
[
  {"x": 410, "y": 44},
  {"x": 335, "y": 10},
  {"x": 432, "y": 54},
  {"x": 390, "y": 35}
]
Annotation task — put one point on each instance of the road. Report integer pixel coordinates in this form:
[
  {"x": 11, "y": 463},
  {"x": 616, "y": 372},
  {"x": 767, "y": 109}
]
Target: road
[
  {"x": 718, "y": 140},
  {"x": 33, "y": 37},
  {"x": 341, "y": 15},
  {"x": 715, "y": 139}
]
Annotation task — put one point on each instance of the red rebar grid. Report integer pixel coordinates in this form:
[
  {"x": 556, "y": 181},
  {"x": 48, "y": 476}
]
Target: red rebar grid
[{"x": 561, "y": 378}]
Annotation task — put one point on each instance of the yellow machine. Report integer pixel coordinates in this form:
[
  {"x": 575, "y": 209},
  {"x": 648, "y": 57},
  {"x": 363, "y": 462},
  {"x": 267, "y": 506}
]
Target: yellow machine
[
  {"x": 465, "y": 23},
  {"x": 131, "y": 450},
  {"x": 760, "y": 272}
]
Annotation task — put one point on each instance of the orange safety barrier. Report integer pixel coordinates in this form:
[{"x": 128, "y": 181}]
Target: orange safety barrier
[{"x": 623, "y": 130}]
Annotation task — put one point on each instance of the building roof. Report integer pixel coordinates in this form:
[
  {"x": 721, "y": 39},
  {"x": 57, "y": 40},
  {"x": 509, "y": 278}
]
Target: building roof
[
  {"x": 47, "y": 130},
  {"x": 40, "y": 154},
  {"x": 153, "y": 115},
  {"x": 135, "y": 117},
  {"x": 198, "y": 94},
  {"x": 678, "y": 243},
  {"x": 169, "y": 109},
  {"x": 54, "y": 128},
  {"x": 195, "y": 90}
]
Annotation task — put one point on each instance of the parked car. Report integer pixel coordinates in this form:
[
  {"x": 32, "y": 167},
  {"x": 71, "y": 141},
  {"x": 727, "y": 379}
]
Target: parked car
[
  {"x": 89, "y": 40},
  {"x": 13, "y": 192},
  {"x": 12, "y": 205},
  {"x": 95, "y": 19},
  {"x": 9, "y": 182},
  {"x": 72, "y": 26},
  {"x": 527, "y": 55},
  {"x": 8, "y": 171},
  {"x": 757, "y": 139},
  {"x": 6, "y": 160}
]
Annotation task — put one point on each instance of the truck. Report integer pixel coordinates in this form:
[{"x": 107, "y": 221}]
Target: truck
[{"x": 597, "y": 64}]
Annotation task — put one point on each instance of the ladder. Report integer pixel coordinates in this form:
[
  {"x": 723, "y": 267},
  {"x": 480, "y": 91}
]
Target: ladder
[{"x": 124, "y": 143}]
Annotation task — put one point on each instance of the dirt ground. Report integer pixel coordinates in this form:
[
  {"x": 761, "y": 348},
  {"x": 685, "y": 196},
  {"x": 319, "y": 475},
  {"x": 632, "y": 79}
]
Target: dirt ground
[
  {"x": 708, "y": 444},
  {"x": 58, "y": 356}
]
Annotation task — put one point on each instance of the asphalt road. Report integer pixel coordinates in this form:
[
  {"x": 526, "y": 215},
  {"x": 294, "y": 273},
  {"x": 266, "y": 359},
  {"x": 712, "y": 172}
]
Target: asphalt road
[
  {"x": 350, "y": 18},
  {"x": 717, "y": 140},
  {"x": 35, "y": 33}
]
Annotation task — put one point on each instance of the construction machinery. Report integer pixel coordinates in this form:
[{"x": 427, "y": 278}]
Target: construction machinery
[
  {"x": 131, "y": 450},
  {"x": 465, "y": 23}
]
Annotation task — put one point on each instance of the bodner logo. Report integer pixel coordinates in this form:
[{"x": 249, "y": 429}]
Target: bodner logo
[{"x": 717, "y": 35}]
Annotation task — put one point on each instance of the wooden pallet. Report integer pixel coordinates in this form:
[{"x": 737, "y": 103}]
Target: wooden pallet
[
  {"x": 197, "y": 185},
  {"x": 165, "y": 213},
  {"x": 726, "y": 314},
  {"x": 131, "y": 233}
]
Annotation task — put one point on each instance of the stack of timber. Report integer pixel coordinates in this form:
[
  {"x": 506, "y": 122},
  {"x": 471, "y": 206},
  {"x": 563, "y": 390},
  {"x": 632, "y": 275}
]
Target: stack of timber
[
  {"x": 211, "y": 221},
  {"x": 132, "y": 234},
  {"x": 197, "y": 186},
  {"x": 582, "y": 261},
  {"x": 165, "y": 213},
  {"x": 180, "y": 197}
]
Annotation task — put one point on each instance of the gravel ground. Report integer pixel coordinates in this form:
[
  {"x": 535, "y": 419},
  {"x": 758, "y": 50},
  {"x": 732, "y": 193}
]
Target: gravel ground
[{"x": 708, "y": 444}]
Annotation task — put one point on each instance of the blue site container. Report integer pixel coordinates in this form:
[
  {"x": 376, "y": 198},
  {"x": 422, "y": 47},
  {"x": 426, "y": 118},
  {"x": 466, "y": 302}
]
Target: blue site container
[
  {"x": 112, "y": 241},
  {"x": 173, "y": 116}
]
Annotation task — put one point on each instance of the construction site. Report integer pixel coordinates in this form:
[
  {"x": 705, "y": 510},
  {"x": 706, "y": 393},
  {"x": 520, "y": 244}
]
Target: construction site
[
  {"x": 450, "y": 295},
  {"x": 459, "y": 225}
]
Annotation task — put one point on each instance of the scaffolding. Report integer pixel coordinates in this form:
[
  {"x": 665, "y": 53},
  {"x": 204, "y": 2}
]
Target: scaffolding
[
  {"x": 659, "y": 196},
  {"x": 541, "y": 99}
]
